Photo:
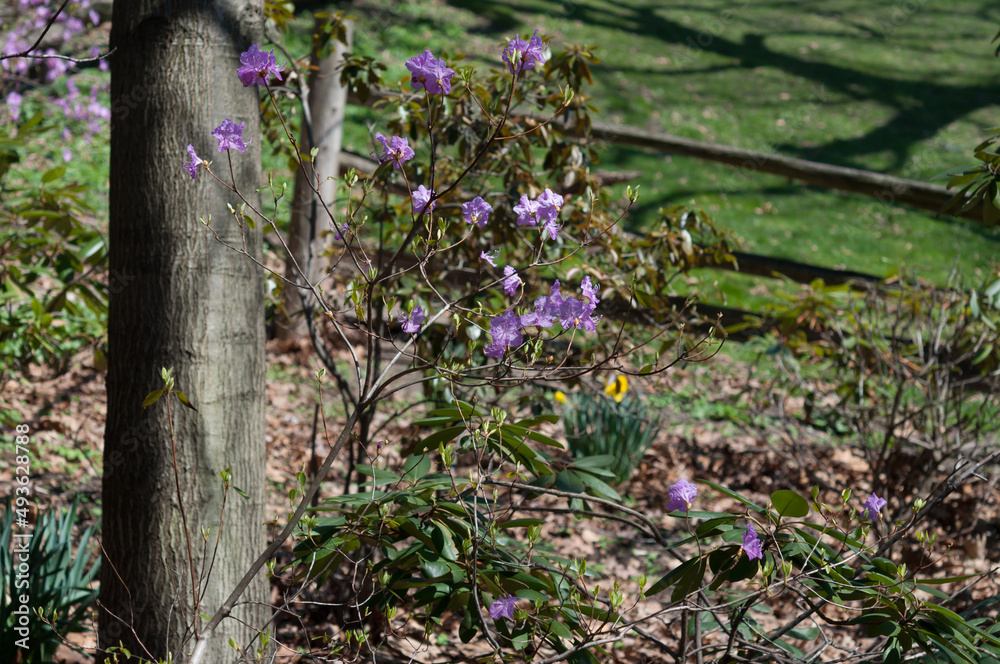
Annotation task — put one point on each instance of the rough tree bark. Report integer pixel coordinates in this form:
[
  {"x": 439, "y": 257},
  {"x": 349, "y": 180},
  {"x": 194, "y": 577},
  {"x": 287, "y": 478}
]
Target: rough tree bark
[
  {"x": 327, "y": 101},
  {"x": 190, "y": 304}
]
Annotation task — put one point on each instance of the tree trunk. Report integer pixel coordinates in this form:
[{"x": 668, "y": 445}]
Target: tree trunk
[
  {"x": 190, "y": 304},
  {"x": 327, "y": 101}
]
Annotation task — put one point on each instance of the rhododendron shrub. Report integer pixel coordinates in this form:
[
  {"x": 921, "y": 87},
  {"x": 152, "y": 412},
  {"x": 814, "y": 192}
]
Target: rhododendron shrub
[{"x": 462, "y": 266}]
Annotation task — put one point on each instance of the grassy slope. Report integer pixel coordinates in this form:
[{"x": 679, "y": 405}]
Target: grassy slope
[
  {"x": 851, "y": 84},
  {"x": 854, "y": 84}
]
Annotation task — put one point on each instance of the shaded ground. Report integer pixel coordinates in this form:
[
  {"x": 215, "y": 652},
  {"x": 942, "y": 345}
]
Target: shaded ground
[{"x": 66, "y": 416}]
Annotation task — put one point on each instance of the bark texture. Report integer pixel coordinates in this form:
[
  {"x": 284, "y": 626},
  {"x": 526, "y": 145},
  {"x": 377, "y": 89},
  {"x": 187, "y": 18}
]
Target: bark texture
[{"x": 190, "y": 304}]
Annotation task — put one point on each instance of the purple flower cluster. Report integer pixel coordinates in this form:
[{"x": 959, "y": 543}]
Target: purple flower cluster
[
  {"x": 430, "y": 73},
  {"x": 26, "y": 20},
  {"x": 549, "y": 309},
  {"x": 545, "y": 210},
  {"x": 521, "y": 55},
  {"x": 570, "y": 312},
  {"x": 23, "y": 22},
  {"x": 229, "y": 134},
  {"x": 257, "y": 66},
  {"x": 396, "y": 149}
]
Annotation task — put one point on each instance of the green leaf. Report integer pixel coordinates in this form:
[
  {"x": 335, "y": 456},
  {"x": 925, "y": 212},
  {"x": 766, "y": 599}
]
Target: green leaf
[
  {"x": 559, "y": 629},
  {"x": 469, "y": 626},
  {"x": 152, "y": 398},
  {"x": 53, "y": 174},
  {"x": 533, "y": 595},
  {"x": 416, "y": 467},
  {"x": 599, "y": 463},
  {"x": 716, "y": 526},
  {"x": 789, "y": 503},
  {"x": 543, "y": 439},
  {"x": 380, "y": 476},
  {"x": 434, "y": 568},
  {"x": 598, "y": 488},
  {"x": 671, "y": 577},
  {"x": 241, "y": 493},
  {"x": 184, "y": 400},
  {"x": 690, "y": 581},
  {"x": 443, "y": 436},
  {"x": 521, "y": 523},
  {"x": 804, "y": 633},
  {"x": 569, "y": 481},
  {"x": 443, "y": 542}
]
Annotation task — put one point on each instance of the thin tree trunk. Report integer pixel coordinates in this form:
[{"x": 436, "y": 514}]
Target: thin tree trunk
[
  {"x": 327, "y": 101},
  {"x": 190, "y": 304}
]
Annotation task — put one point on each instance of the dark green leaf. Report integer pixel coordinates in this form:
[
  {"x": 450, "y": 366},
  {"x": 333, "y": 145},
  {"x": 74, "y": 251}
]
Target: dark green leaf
[
  {"x": 789, "y": 503},
  {"x": 416, "y": 467}
]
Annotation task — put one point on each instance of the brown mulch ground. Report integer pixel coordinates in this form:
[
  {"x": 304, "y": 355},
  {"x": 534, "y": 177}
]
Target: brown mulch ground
[{"x": 66, "y": 416}]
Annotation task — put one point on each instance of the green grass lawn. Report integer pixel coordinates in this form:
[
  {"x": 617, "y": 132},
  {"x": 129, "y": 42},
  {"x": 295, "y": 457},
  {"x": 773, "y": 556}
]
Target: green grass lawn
[
  {"x": 855, "y": 84},
  {"x": 906, "y": 89}
]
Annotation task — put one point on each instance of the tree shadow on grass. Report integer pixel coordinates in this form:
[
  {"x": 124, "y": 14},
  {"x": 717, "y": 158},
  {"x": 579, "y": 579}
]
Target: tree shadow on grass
[{"x": 921, "y": 108}]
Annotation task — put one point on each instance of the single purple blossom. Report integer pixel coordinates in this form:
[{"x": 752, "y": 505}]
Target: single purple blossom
[
  {"x": 511, "y": 280},
  {"x": 751, "y": 544},
  {"x": 257, "y": 66},
  {"x": 521, "y": 55},
  {"x": 67, "y": 155},
  {"x": 412, "y": 321},
  {"x": 503, "y": 607},
  {"x": 396, "y": 148},
  {"x": 577, "y": 314},
  {"x": 506, "y": 332},
  {"x": 340, "y": 233},
  {"x": 490, "y": 258},
  {"x": 527, "y": 211},
  {"x": 196, "y": 161},
  {"x": 682, "y": 495},
  {"x": 549, "y": 205},
  {"x": 873, "y": 507},
  {"x": 230, "y": 135},
  {"x": 430, "y": 73},
  {"x": 420, "y": 198},
  {"x": 477, "y": 211}
]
